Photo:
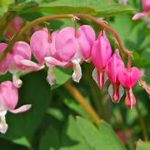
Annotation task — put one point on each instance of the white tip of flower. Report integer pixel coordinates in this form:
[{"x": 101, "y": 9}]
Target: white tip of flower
[
  {"x": 51, "y": 78},
  {"x": 17, "y": 81},
  {"x": 95, "y": 75},
  {"x": 110, "y": 91},
  {"x": 77, "y": 74},
  {"x": 3, "y": 127},
  {"x": 21, "y": 109},
  {"x": 3, "y": 124}
]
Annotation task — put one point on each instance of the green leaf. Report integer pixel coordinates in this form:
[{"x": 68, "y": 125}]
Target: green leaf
[
  {"x": 22, "y": 141},
  {"x": 68, "y": 139},
  {"x": 143, "y": 145},
  {"x": 50, "y": 140},
  {"x": 62, "y": 75},
  {"x": 102, "y": 138},
  {"x": 96, "y": 7},
  {"x": 71, "y": 139},
  {"x": 4, "y": 4}
]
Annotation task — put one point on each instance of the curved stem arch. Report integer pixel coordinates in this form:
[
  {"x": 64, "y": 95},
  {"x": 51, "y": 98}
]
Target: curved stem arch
[{"x": 63, "y": 16}]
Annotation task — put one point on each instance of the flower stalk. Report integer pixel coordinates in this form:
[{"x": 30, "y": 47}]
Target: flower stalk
[
  {"x": 82, "y": 101},
  {"x": 62, "y": 16}
]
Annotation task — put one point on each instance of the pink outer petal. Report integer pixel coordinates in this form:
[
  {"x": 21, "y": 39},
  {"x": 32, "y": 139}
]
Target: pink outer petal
[
  {"x": 40, "y": 45},
  {"x": 66, "y": 44},
  {"x": 114, "y": 66},
  {"x": 17, "y": 23},
  {"x": 21, "y": 109},
  {"x": 52, "y": 47},
  {"x": 23, "y": 49},
  {"x": 146, "y": 5},
  {"x": 128, "y": 78},
  {"x": 9, "y": 94},
  {"x": 31, "y": 66},
  {"x": 101, "y": 51},
  {"x": 6, "y": 61},
  {"x": 86, "y": 38},
  {"x": 55, "y": 62},
  {"x": 138, "y": 16}
]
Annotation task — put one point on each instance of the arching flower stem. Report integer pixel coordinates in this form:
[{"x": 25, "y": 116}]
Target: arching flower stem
[{"x": 39, "y": 20}]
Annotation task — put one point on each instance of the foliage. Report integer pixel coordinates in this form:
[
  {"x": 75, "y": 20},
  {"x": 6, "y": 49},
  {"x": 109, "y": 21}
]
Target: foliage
[{"x": 56, "y": 121}]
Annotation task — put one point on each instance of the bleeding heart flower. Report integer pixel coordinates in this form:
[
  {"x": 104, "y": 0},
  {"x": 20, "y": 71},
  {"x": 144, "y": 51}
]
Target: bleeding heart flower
[
  {"x": 4, "y": 65},
  {"x": 45, "y": 47},
  {"x": 114, "y": 66},
  {"x": 101, "y": 53},
  {"x": 8, "y": 102},
  {"x": 72, "y": 47},
  {"x": 14, "y": 27},
  {"x": 128, "y": 78},
  {"x": 18, "y": 59},
  {"x": 145, "y": 13}
]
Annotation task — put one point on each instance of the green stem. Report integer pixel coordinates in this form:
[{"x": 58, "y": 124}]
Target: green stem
[{"x": 83, "y": 102}]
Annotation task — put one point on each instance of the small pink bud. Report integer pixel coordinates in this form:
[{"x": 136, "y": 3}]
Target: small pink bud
[
  {"x": 4, "y": 65},
  {"x": 145, "y": 13},
  {"x": 14, "y": 27},
  {"x": 146, "y": 5},
  {"x": 129, "y": 77},
  {"x": 130, "y": 99},
  {"x": 114, "y": 66},
  {"x": 101, "y": 53}
]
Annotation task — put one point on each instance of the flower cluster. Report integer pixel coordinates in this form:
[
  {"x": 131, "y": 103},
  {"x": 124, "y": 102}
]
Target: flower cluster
[
  {"x": 67, "y": 48},
  {"x": 145, "y": 13},
  {"x": 8, "y": 102}
]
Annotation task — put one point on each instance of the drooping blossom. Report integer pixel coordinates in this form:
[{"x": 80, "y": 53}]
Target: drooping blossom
[
  {"x": 14, "y": 27},
  {"x": 145, "y": 13},
  {"x": 18, "y": 59},
  {"x": 114, "y": 66},
  {"x": 128, "y": 77},
  {"x": 45, "y": 47},
  {"x": 72, "y": 48},
  {"x": 4, "y": 64},
  {"x": 101, "y": 53},
  {"x": 8, "y": 102}
]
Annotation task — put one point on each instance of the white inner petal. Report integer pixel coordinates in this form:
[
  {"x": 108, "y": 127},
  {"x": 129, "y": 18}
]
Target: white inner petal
[
  {"x": 51, "y": 78},
  {"x": 16, "y": 80},
  {"x": 77, "y": 74},
  {"x": 3, "y": 124},
  {"x": 95, "y": 75}
]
